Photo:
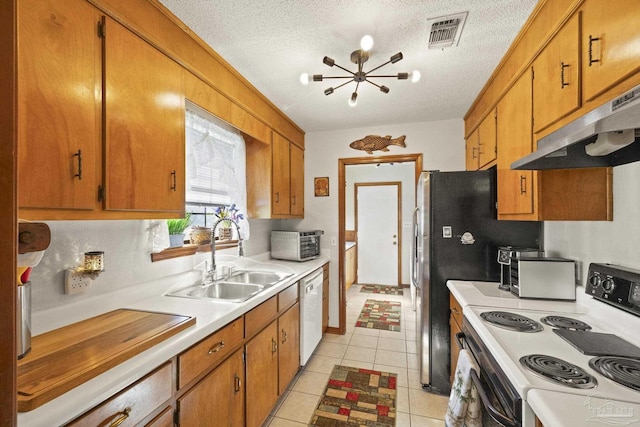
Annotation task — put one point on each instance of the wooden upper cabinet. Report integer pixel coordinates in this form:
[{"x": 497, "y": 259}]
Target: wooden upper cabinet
[
  {"x": 556, "y": 76},
  {"x": 58, "y": 104},
  {"x": 296, "y": 157},
  {"x": 281, "y": 176},
  {"x": 471, "y": 151},
  {"x": 610, "y": 47},
  {"x": 514, "y": 133},
  {"x": 144, "y": 112},
  {"x": 487, "y": 140}
]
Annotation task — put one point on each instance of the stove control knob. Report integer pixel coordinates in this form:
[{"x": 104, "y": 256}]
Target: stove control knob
[
  {"x": 595, "y": 280},
  {"x": 608, "y": 285}
]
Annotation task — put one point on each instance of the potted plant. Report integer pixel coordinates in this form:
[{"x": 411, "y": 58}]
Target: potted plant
[
  {"x": 176, "y": 230},
  {"x": 227, "y": 215}
]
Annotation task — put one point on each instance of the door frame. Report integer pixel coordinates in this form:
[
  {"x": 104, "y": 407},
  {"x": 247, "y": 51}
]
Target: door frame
[
  {"x": 398, "y": 185},
  {"x": 342, "y": 164}
]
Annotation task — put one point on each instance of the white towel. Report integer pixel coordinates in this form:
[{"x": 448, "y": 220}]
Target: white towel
[{"x": 464, "y": 407}]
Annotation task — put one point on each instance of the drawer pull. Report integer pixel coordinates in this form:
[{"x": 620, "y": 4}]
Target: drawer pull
[
  {"x": 79, "y": 156},
  {"x": 121, "y": 418},
  {"x": 274, "y": 346},
  {"x": 217, "y": 347},
  {"x": 237, "y": 384},
  {"x": 284, "y": 336}
]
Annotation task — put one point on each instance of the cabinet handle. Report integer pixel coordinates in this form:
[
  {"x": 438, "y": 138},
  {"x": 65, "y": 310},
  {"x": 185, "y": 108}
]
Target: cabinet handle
[
  {"x": 237, "y": 384},
  {"x": 523, "y": 184},
  {"x": 294, "y": 200},
  {"x": 277, "y": 197},
  {"x": 216, "y": 348},
  {"x": 274, "y": 346},
  {"x": 121, "y": 418},
  {"x": 562, "y": 82},
  {"x": 79, "y": 155},
  {"x": 473, "y": 152},
  {"x": 284, "y": 336},
  {"x": 174, "y": 186},
  {"x": 591, "y": 40}
]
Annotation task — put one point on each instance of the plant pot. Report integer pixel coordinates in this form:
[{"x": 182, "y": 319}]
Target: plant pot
[{"x": 176, "y": 240}]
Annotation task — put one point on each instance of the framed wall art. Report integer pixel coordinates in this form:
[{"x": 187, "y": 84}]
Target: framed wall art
[{"x": 321, "y": 186}]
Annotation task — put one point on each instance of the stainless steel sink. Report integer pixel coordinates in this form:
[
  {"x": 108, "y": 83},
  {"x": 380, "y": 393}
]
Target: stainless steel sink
[
  {"x": 231, "y": 292},
  {"x": 265, "y": 278}
]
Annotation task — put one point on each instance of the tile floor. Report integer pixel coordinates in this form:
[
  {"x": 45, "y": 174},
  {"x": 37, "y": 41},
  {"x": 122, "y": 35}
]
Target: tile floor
[{"x": 368, "y": 348}]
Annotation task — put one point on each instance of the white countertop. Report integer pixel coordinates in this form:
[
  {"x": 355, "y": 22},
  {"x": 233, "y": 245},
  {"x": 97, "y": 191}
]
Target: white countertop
[{"x": 210, "y": 316}]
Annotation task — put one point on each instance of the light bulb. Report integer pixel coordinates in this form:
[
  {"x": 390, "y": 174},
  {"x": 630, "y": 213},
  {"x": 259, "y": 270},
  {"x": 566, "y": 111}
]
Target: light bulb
[
  {"x": 366, "y": 43},
  {"x": 304, "y": 78},
  {"x": 415, "y": 76},
  {"x": 353, "y": 100}
]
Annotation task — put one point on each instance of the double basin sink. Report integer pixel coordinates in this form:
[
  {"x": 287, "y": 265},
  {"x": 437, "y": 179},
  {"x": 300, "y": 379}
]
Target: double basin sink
[{"x": 240, "y": 286}]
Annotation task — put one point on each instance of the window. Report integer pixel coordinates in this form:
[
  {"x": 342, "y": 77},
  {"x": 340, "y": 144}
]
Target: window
[{"x": 215, "y": 167}]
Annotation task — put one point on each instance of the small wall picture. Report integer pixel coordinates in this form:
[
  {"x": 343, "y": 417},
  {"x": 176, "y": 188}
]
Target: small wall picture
[{"x": 321, "y": 186}]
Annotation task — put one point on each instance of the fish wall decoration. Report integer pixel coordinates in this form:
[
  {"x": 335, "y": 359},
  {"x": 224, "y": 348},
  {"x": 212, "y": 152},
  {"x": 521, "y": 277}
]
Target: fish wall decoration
[{"x": 371, "y": 143}]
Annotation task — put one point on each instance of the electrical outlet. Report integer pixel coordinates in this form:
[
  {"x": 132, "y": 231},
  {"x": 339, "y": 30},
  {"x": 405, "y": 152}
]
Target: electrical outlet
[
  {"x": 76, "y": 282},
  {"x": 334, "y": 241}
]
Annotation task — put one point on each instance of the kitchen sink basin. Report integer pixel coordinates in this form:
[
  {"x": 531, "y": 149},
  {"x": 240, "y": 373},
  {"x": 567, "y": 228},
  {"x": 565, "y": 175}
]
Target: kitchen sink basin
[
  {"x": 231, "y": 292},
  {"x": 265, "y": 278}
]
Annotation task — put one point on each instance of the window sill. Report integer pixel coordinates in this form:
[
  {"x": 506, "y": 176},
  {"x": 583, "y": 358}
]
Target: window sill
[{"x": 189, "y": 249}]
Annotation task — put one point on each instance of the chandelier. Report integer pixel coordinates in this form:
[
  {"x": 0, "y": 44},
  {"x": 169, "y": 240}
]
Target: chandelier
[{"x": 359, "y": 57}]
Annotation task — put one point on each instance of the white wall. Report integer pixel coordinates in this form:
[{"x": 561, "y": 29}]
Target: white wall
[
  {"x": 614, "y": 242},
  {"x": 442, "y": 146},
  {"x": 386, "y": 172}
]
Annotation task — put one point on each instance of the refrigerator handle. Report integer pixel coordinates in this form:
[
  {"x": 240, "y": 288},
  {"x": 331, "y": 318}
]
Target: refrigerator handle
[{"x": 414, "y": 266}]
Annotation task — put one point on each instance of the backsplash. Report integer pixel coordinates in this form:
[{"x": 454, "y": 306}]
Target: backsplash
[{"x": 126, "y": 245}]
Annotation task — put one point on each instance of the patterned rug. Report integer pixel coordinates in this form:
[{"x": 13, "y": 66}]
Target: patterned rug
[
  {"x": 357, "y": 397},
  {"x": 382, "y": 289},
  {"x": 383, "y": 315}
]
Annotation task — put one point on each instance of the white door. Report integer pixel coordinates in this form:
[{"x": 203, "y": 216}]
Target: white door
[{"x": 378, "y": 210}]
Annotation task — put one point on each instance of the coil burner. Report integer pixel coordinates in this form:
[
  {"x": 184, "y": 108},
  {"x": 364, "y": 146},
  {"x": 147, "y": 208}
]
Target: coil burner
[
  {"x": 511, "y": 321},
  {"x": 622, "y": 370},
  {"x": 558, "y": 371},
  {"x": 563, "y": 322}
]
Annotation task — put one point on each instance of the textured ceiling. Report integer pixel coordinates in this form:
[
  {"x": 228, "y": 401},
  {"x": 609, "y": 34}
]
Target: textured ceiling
[{"x": 272, "y": 42}]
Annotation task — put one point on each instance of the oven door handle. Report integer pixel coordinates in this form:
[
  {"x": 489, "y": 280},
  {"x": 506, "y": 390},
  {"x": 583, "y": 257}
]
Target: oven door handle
[
  {"x": 493, "y": 412},
  {"x": 460, "y": 340}
]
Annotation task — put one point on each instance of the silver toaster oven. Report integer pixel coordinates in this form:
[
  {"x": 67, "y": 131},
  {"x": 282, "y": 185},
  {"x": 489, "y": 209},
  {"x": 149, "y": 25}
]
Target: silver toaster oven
[{"x": 295, "y": 245}]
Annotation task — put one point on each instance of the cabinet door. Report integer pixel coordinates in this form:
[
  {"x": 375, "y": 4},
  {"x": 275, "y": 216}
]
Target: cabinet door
[
  {"x": 144, "y": 110},
  {"x": 471, "y": 151},
  {"x": 289, "y": 350},
  {"x": 556, "y": 82},
  {"x": 515, "y": 187},
  {"x": 487, "y": 144},
  {"x": 297, "y": 180},
  {"x": 262, "y": 374},
  {"x": 58, "y": 104},
  {"x": 610, "y": 48},
  {"x": 281, "y": 176},
  {"x": 219, "y": 396}
]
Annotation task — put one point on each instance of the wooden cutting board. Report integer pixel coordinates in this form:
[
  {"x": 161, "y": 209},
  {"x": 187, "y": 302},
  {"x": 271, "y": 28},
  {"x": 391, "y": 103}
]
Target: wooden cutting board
[{"x": 62, "y": 359}]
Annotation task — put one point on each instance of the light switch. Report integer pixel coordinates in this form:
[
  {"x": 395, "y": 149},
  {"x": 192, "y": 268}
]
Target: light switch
[{"x": 446, "y": 232}]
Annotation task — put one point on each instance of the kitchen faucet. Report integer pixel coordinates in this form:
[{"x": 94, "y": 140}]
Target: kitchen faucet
[{"x": 212, "y": 273}]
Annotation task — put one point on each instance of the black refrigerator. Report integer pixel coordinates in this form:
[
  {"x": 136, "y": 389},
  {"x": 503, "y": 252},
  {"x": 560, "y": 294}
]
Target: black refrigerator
[{"x": 456, "y": 236}]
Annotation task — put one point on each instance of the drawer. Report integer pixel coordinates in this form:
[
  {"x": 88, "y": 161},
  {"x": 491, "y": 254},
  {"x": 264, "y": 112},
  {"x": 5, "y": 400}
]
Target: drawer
[
  {"x": 260, "y": 316},
  {"x": 209, "y": 352},
  {"x": 456, "y": 309},
  {"x": 288, "y": 297},
  {"x": 132, "y": 404}
]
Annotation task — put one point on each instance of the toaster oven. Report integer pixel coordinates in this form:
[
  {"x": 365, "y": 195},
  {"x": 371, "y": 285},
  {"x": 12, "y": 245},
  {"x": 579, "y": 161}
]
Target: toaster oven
[{"x": 295, "y": 245}]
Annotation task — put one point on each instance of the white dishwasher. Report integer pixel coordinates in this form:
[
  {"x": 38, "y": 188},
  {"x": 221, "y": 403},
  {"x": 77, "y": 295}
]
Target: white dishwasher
[{"x": 310, "y": 314}]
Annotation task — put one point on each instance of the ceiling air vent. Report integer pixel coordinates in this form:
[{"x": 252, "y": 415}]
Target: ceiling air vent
[{"x": 445, "y": 31}]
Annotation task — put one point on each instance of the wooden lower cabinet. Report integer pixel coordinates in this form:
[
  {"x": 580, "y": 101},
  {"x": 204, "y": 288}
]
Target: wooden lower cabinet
[
  {"x": 350, "y": 267},
  {"x": 262, "y": 374},
  {"x": 219, "y": 396},
  {"x": 455, "y": 324},
  {"x": 289, "y": 348},
  {"x": 325, "y": 297}
]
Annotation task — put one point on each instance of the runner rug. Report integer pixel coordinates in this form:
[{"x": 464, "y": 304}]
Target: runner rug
[
  {"x": 382, "y": 289},
  {"x": 383, "y": 315},
  {"x": 357, "y": 397}
]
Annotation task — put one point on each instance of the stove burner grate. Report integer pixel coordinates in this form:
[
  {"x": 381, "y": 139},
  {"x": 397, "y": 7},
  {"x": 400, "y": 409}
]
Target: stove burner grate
[
  {"x": 511, "y": 321},
  {"x": 558, "y": 371},
  {"x": 563, "y": 322},
  {"x": 621, "y": 370}
]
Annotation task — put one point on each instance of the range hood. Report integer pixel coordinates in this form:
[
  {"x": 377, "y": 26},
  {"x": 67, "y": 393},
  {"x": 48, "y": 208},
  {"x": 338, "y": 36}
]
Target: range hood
[{"x": 606, "y": 136}]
